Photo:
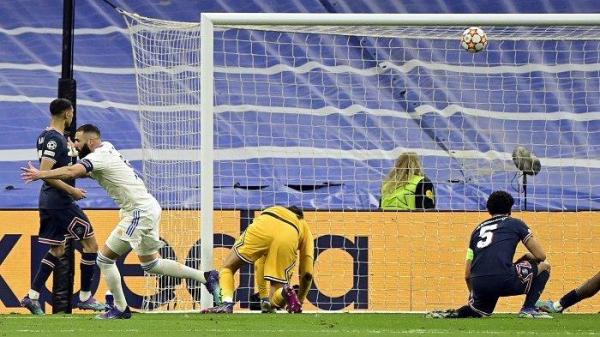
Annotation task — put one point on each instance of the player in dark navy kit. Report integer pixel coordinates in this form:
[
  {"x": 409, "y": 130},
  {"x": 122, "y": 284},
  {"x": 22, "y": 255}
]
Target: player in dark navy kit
[
  {"x": 490, "y": 272},
  {"x": 60, "y": 216}
]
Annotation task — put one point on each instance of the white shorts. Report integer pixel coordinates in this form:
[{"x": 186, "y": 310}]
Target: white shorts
[{"x": 138, "y": 230}]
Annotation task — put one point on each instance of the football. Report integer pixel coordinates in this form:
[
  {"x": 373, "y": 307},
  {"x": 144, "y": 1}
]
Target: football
[{"x": 473, "y": 40}]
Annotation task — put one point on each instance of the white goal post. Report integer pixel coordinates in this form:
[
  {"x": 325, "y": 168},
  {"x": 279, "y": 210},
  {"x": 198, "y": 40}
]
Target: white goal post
[
  {"x": 483, "y": 160},
  {"x": 398, "y": 20}
]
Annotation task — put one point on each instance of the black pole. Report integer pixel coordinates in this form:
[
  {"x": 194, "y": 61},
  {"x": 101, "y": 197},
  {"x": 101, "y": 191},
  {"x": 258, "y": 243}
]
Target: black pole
[
  {"x": 66, "y": 84},
  {"x": 525, "y": 190},
  {"x": 62, "y": 285},
  {"x": 67, "y": 45}
]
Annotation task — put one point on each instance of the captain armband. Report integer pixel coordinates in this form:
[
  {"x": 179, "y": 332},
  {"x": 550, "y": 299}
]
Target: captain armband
[{"x": 469, "y": 256}]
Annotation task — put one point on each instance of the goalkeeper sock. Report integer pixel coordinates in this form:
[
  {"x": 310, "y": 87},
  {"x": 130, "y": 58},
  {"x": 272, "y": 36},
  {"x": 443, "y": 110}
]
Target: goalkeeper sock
[
  {"x": 277, "y": 299},
  {"x": 263, "y": 292},
  {"x": 111, "y": 275},
  {"x": 537, "y": 287},
  {"x": 173, "y": 268},
  {"x": 259, "y": 277},
  {"x": 226, "y": 283},
  {"x": 44, "y": 270}
]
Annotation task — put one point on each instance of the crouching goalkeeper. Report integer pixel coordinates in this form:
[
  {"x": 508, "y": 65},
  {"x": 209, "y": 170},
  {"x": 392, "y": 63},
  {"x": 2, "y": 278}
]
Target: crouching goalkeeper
[{"x": 272, "y": 243}]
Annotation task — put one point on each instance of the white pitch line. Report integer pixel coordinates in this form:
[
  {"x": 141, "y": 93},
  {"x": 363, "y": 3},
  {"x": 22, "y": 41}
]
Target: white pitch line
[{"x": 332, "y": 331}]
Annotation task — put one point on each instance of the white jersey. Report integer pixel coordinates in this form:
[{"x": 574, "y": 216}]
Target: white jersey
[{"x": 108, "y": 167}]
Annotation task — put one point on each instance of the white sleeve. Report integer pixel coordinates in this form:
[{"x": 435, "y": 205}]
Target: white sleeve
[{"x": 93, "y": 162}]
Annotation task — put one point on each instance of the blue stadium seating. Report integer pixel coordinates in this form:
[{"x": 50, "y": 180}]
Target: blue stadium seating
[{"x": 30, "y": 65}]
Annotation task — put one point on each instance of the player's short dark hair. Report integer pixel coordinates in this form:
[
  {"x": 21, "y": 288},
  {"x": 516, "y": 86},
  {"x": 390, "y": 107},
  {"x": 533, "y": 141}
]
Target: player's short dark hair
[
  {"x": 59, "y": 105},
  {"x": 296, "y": 210},
  {"x": 89, "y": 128},
  {"x": 500, "y": 202}
]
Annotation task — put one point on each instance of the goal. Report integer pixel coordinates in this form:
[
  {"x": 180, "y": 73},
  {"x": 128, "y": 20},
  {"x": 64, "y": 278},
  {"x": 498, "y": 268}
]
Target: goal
[{"x": 244, "y": 111}]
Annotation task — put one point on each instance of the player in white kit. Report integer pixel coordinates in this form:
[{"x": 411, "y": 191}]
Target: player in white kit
[{"x": 138, "y": 228}]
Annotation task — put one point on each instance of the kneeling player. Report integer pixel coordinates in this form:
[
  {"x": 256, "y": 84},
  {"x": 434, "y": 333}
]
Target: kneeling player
[
  {"x": 273, "y": 240},
  {"x": 490, "y": 272},
  {"x": 586, "y": 290}
]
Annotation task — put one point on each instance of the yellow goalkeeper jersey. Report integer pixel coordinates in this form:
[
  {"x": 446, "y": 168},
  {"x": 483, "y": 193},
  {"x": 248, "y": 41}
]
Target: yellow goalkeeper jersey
[{"x": 278, "y": 235}]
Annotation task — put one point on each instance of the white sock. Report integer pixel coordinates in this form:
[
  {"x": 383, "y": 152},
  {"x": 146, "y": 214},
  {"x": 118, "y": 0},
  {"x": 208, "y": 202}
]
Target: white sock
[
  {"x": 557, "y": 306},
  {"x": 111, "y": 275},
  {"x": 173, "y": 268},
  {"x": 84, "y": 295},
  {"x": 34, "y": 295}
]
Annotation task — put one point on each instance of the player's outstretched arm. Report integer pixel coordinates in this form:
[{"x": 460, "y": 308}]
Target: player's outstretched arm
[
  {"x": 76, "y": 193},
  {"x": 31, "y": 173}
]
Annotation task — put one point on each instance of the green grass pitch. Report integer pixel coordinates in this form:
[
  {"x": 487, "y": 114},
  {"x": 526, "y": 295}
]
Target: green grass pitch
[{"x": 307, "y": 324}]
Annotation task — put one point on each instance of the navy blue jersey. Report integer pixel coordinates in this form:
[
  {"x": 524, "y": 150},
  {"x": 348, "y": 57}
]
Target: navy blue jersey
[
  {"x": 494, "y": 242},
  {"x": 52, "y": 145}
]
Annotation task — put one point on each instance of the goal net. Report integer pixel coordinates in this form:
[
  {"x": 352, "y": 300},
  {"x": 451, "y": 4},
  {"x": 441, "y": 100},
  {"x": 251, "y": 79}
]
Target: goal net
[{"x": 316, "y": 116}]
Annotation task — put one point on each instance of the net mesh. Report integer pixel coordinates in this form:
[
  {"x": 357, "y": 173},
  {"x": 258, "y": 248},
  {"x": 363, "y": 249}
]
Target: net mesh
[{"x": 316, "y": 117}]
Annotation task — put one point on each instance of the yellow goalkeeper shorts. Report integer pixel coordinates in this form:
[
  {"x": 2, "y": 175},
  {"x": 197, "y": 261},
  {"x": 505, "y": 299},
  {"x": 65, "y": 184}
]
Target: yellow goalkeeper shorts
[{"x": 273, "y": 238}]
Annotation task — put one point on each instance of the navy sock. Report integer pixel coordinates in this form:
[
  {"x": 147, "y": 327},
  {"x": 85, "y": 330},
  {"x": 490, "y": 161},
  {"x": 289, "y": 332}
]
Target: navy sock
[
  {"x": 569, "y": 299},
  {"x": 466, "y": 311},
  {"x": 537, "y": 287},
  {"x": 88, "y": 268},
  {"x": 44, "y": 270}
]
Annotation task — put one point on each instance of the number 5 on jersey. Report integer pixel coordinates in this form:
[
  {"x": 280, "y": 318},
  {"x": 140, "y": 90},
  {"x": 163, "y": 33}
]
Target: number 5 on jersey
[{"x": 486, "y": 234}]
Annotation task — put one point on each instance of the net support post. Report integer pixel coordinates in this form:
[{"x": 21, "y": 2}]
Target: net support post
[{"x": 206, "y": 150}]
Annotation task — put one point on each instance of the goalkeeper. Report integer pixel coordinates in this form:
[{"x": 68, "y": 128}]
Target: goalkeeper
[{"x": 272, "y": 242}]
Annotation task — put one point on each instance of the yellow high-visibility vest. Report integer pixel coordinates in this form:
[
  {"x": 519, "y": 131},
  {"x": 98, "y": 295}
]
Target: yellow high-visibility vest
[{"x": 403, "y": 198}]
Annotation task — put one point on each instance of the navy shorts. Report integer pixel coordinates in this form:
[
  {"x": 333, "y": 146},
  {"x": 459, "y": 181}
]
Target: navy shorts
[
  {"x": 486, "y": 290},
  {"x": 57, "y": 225}
]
